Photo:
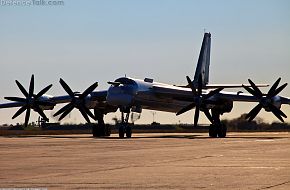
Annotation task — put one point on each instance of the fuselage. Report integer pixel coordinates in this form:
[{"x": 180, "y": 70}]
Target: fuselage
[{"x": 140, "y": 93}]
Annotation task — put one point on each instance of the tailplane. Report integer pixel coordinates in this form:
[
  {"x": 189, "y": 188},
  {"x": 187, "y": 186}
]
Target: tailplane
[{"x": 202, "y": 69}]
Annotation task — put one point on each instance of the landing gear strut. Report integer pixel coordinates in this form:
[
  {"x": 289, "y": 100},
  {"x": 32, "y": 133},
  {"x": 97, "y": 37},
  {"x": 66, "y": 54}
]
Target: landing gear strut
[
  {"x": 217, "y": 129},
  {"x": 124, "y": 128},
  {"x": 101, "y": 129}
]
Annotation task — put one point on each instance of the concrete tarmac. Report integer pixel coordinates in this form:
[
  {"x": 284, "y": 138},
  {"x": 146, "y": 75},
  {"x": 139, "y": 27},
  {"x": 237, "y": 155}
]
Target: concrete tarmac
[{"x": 153, "y": 161}]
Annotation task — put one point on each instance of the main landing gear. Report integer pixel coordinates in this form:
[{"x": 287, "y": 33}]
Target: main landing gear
[
  {"x": 124, "y": 127},
  {"x": 101, "y": 129},
  {"x": 217, "y": 128}
]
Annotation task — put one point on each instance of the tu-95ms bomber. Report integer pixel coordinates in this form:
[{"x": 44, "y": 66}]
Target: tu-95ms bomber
[{"x": 132, "y": 95}]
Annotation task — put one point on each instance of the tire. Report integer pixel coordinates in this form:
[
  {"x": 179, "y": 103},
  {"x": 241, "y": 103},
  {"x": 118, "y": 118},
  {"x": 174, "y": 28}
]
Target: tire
[
  {"x": 213, "y": 131},
  {"x": 101, "y": 130},
  {"x": 128, "y": 131},
  {"x": 121, "y": 131},
  {"x": 96, "y": 131},
  {"x": 222, "y": 131},
  {"x": 108, "y": 131}
]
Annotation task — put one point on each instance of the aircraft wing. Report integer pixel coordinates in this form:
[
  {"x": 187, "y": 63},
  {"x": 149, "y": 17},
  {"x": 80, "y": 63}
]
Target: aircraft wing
[
  {"x": 94, "y": 96},
  {"x": 185, "y": 94},
  {"x": 210, "y": 86},
  {"x": 174, "y": 92},
  {"x": 214, "y": 86},
  {"x": 11, "y": 105}
]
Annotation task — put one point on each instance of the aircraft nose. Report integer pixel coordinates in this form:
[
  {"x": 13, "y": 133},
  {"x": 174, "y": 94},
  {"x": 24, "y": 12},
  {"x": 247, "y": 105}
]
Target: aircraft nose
[{"x": 120, "y": 96}]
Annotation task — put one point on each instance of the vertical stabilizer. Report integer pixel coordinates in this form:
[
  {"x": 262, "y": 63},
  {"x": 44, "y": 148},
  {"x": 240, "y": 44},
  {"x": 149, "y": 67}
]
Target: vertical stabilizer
[{"x": 202, "y": 69}]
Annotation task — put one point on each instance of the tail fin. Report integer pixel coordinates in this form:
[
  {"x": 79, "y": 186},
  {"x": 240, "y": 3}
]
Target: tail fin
[{"x": 202, "y": 69}]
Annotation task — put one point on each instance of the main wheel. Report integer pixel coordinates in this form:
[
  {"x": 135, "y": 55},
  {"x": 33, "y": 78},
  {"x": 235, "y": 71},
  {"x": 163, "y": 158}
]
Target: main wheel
[
  {"x": 96, "y": 131},
  {"x": 128, "y": 131},
  {"x": 222, "y": 131},
  {"x": 121, "y": 131},
  {"x": 213, "y": 131},
  {"x": 108, "y": 130}
]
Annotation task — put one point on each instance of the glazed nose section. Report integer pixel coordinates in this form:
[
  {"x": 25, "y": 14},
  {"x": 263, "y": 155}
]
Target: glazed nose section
[{"x": 120, "y": 95}]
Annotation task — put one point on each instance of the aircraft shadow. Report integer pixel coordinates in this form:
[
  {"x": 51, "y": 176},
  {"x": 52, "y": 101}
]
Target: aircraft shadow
[{"x": 165, "y": 136}]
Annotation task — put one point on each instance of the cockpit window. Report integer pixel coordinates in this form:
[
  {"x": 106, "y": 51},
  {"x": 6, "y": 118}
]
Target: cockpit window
[{"x": 126, "y": 81}]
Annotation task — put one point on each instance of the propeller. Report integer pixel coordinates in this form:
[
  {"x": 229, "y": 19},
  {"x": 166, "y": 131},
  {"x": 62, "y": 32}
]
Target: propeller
[
  {"x": 77, "y": 101},
  {"x": 31, "y": 101},
  {"x": 266, "y": 100},
  {"x": 200, "y": 100}
]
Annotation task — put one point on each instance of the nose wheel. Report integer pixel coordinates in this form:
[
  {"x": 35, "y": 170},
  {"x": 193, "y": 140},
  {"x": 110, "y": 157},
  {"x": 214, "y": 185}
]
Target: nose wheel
[{"x": 125, "y": 128}]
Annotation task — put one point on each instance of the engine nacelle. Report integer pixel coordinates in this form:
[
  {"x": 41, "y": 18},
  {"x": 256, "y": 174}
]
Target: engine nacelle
[
  {"x": 46, "y": 98},
  {"x": 224, "y": 106},
  {"x": 275, "y": 101}
]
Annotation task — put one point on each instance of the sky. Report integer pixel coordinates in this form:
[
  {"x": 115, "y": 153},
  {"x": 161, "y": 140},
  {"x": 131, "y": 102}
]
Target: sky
[{"x": 101, "y": 40}]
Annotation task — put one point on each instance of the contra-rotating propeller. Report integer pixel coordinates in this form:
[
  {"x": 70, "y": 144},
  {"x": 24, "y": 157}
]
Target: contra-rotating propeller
[
  {"x": 77, "y": 101},
  {"x": 31, "y": 101},
  {"x": 266, "y": 100},
  {"x": 200, "y": 101}
]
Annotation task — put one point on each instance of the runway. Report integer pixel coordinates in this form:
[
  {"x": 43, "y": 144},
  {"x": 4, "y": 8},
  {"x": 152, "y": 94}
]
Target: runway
[{"x": 153, "y": 161}]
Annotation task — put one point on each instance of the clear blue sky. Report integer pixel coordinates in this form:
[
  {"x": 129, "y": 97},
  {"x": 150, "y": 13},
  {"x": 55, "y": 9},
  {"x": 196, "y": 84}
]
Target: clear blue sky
[{"x": 88, "y": 41}]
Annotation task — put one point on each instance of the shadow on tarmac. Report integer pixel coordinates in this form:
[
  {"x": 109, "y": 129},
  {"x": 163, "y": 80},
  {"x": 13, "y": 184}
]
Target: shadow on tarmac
[{"x": 168, "y": 136}]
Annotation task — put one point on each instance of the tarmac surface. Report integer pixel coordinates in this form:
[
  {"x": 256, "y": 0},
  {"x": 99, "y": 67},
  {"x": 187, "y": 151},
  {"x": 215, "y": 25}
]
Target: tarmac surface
[{"x": 153, "y": 161}]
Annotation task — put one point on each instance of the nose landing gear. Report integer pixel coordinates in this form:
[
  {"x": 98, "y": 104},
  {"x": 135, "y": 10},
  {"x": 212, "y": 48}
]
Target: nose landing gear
[{"x": 124, "y": 127}]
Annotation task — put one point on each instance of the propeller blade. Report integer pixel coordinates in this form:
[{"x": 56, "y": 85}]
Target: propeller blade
[
  {"x": 27, "y": 115},
  {"x": 208, "y": 115},
  {"x": 89, "y": 112},
  {"x": 31, "y": 86},
  {"x": 278, "y": 90},
  {"x": 43, "y": 91},
  {"x": 66, "y": 87},
  {"x": 196, "y": 115},
  {"x": 20, "y": 111},
  {"x": 253, "y": 113},
  {"x": 40, "y": 111},
  {"x": 256, "y": 89},
  {"x": 185, "y": 109},
  {"x": 278, "y": 111},
  {"x": 89, "y": 90},
  {"x": 67, "y": 111},
  {"x": 273, "y": 88},
  {"x": 251, "y": 91},
  {"x": 22, "y": 89},
  {"x": 30, "y": 101},
  {"x": 16, "y": 99},
  {"x": 191, "y": 85},
  {"x": 63, "y": 109},
  {"x": 83, "y": 112},
  {"x": 213, "y": 92},
  {"x": 199, "y": 90}
]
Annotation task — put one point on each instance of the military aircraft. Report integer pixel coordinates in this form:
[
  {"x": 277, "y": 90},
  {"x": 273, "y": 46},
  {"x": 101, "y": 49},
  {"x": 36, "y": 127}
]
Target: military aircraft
[{"x": 133, "y": 95}]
